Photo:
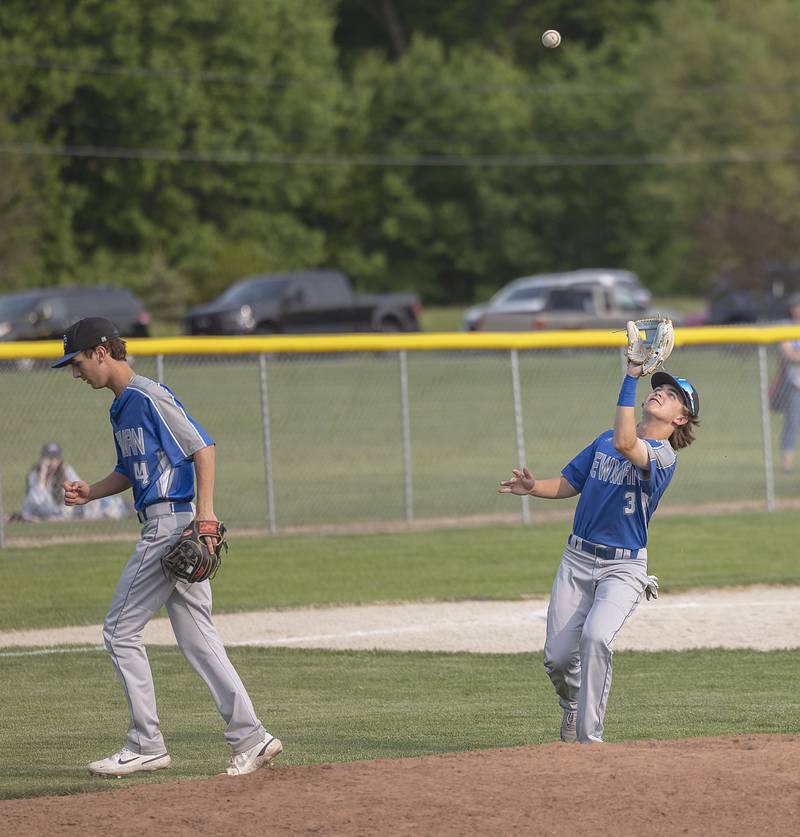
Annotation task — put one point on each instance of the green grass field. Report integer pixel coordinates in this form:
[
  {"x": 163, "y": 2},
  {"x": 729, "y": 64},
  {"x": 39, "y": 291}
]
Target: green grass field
[
  {"x": 62, "y": 710},
  {"x": 72, "y": 584},
  {"x": 336, "y": 437}
]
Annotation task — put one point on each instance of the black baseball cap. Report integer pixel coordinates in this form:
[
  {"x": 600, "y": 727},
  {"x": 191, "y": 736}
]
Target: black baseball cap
[
  {"x": 86, "y": 334},
  {"x": 691, "y": 397}
]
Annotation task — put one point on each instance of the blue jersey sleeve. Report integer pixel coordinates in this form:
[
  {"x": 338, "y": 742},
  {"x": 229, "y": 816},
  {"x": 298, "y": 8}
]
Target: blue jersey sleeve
[{"x": 577, "y": 471}]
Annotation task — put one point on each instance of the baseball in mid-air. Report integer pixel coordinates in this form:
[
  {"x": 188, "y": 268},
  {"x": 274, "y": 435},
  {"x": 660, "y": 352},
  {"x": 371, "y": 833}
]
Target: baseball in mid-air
[{"x": 551, "y": 39}]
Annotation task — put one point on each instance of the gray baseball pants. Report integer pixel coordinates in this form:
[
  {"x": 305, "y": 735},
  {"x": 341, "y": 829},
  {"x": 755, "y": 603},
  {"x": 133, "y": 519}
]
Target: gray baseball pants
[
  {"x": 590, "y": 601},
  {"x": 142, "y": 590}
]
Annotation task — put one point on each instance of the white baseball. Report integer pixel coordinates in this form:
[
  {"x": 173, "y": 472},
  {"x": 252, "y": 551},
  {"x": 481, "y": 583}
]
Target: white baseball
[{"x": 551, "y": 39}]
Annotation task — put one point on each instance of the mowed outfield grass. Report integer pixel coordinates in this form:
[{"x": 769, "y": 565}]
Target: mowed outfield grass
[
  {"x": 64, "y": 709},
  {"x": 52, "y": 586}
]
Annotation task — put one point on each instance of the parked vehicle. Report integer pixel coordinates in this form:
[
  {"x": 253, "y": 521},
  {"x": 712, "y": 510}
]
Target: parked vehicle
[
  {"x": 764, "y": 300},
  {"x": 313, "y": 301},
  {"x": 46, "y": 313},
  {"x": 592, "y": 298}
]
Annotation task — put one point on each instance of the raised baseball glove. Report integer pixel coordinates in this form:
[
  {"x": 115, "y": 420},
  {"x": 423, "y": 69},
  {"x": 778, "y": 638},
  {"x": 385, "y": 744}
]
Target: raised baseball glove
[
  {"x": 650, "y": 342},
  {"x": 190, "y": 557}
]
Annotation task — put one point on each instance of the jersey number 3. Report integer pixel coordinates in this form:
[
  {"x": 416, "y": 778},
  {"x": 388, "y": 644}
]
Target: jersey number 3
[
  {"x": 630, "y": 502},
  {"x": 140, "y": 473}
]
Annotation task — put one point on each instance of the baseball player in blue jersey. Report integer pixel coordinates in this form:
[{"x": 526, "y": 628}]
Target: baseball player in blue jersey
[
  {"x": 620, "y": 476},
  {"x": 161, "y": 452}
]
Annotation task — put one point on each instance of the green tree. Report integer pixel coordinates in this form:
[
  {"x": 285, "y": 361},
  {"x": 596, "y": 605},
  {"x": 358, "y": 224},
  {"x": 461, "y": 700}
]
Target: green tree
[
  {"x": 437, "y": 228},
  {"x": 193, "y": 109},
  {"x": 19, "y": 208},
  {"x": 721, "y": 98},
  {"x": 512, "y": 28}
]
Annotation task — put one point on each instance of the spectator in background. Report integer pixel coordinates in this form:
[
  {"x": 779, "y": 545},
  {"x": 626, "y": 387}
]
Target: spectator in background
[
  {"x": 790, "y": 354},
  {"x": 44, "y": 493},
  {"x": 44, "y": 488}
]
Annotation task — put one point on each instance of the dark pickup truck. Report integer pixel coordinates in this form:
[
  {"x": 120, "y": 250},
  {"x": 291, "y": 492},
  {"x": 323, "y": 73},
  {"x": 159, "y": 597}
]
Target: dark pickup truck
[{"x": 314, "y": 301}]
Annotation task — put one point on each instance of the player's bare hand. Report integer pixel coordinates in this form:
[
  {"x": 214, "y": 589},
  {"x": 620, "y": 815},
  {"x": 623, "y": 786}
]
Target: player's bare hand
[
  {"x": 634, "y": 370},
  {"x": 521, "y": 483},
  {"x": 76, "y": 493},
  {"x": 210, "y": 542}
]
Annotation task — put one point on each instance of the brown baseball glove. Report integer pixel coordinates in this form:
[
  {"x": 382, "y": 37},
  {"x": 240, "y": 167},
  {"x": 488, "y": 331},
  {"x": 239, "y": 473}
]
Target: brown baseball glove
[{"x": 197, "y": 554}]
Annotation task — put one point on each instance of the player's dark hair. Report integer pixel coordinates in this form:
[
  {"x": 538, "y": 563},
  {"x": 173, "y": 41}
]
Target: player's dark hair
[
  {"x": 116, "y": 348},
  {"x": 683, "y": 436}
]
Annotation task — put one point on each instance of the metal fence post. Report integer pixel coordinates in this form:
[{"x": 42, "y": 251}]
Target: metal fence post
[
  {"x": 408, "y": 488},
  {"x": 160, "y": 368},
  {"x": 526, "y": 505},
  {"x": 766, "y": 433},
  {"x": 2, "y": 518},
  {"x": 262, "y": 376}
]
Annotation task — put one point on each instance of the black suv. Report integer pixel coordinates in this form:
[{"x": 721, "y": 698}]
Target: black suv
[
  {"x": 46, "y": 313},
  {"x": 763, "y": 300},
  {"x": 308, "y": 301}
]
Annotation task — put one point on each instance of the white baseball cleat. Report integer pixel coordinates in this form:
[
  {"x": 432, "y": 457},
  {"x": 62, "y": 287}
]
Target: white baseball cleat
[
  {"x": 262, "y": 753},
  {"x": 569, "y": 731},
  {"x": 126, "y": 762}
]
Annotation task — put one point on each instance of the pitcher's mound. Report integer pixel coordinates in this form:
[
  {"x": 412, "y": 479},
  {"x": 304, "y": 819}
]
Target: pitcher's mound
[{"x": 742, "y": 785}]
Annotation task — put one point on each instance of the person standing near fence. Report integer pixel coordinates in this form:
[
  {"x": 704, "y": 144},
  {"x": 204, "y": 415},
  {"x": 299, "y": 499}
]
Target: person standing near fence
[
  {"x": 620, "y": 476},
  {"x": 790, "y": 355},
  {"x": 161, "y": 451}
]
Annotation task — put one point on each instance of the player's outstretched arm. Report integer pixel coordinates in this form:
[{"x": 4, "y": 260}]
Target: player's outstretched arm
[
  {"x": 522, "y": 483},
  {"x": 626, "y": 440},
  {"x": 78, "y": 492}
]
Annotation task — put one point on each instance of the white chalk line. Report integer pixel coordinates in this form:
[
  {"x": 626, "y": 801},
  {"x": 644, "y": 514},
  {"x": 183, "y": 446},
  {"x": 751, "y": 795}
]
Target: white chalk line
[{"x": 444, "y": 624}]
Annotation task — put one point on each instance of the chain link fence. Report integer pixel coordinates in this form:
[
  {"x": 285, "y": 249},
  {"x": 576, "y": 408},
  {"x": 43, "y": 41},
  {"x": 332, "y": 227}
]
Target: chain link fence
[{"x": 320, "y": 440}]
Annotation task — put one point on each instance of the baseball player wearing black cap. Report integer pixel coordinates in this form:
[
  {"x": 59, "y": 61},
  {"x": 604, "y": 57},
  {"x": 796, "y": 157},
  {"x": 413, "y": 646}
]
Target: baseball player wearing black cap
[
  {"x": 620, "y": 476},
  {"x": 161, "y": 453}
]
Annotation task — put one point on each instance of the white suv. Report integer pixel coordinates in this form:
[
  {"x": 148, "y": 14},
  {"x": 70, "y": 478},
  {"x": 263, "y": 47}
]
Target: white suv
[{"x": 591, "y": 298}]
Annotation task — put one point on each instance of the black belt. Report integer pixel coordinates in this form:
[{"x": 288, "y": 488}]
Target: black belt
[
  {"x": 161, "y": 509},
  {"x": 607, "y": 553}
]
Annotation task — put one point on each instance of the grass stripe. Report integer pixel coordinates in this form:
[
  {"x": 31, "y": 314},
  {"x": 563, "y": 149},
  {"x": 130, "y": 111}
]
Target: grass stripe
[{"x": 63, "y": 710}]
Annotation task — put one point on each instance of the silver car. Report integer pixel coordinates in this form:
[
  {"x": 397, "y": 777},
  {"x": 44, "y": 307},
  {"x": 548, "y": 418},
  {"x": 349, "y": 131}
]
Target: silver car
[{"x": 591, "y": 298}]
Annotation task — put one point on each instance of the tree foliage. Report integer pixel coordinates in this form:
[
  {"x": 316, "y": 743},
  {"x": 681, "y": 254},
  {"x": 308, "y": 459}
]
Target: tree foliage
[{"x": 434, "y": 147}]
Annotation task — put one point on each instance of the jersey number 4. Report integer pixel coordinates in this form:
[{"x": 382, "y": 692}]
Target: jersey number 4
[{"x": 140, "y": 473}]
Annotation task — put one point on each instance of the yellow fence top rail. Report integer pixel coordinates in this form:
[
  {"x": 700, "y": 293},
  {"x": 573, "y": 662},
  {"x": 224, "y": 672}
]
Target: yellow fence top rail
[{"x": 455, "y": 341}]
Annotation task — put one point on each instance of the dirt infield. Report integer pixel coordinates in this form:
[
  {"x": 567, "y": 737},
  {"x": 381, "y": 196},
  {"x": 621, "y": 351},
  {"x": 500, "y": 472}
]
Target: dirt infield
[
  {"x": 741, "y": 785},
  {"x": 764, "y": 618}
]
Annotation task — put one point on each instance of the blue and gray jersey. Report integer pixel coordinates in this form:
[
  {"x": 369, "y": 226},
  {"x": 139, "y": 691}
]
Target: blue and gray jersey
[
  {"x": 617, "y": 498},
  {"x": 155, "y": 440}
]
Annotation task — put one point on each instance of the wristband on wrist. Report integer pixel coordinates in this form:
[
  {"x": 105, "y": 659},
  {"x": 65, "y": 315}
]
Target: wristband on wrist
[{"x": 627, "y": 392}]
